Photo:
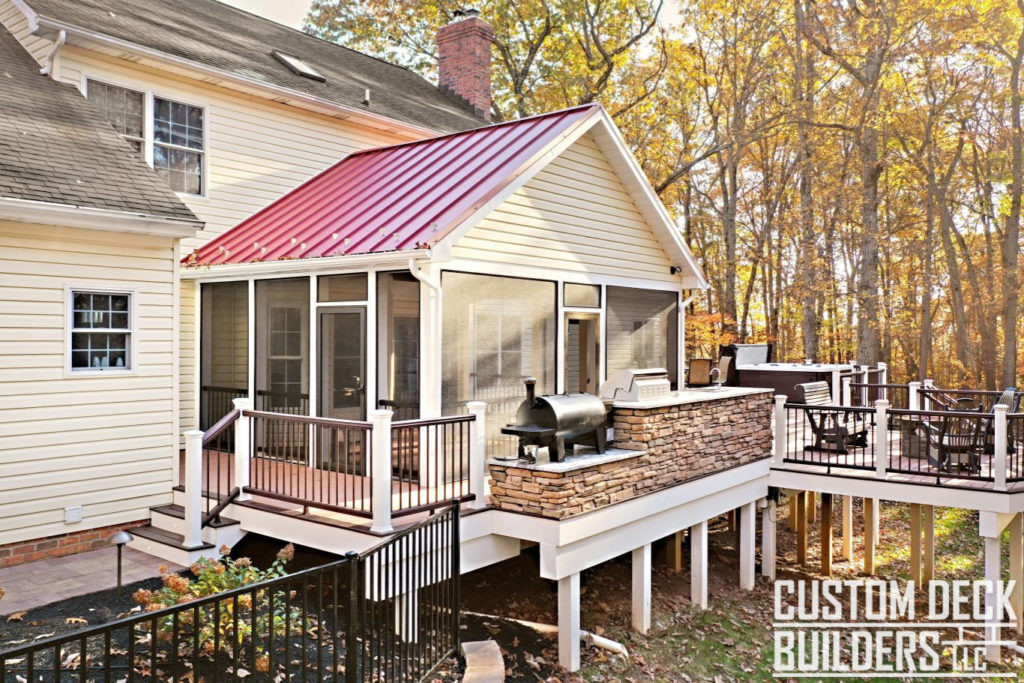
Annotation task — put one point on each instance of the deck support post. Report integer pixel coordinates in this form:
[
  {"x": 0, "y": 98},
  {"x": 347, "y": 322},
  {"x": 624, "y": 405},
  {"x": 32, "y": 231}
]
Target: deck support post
[
  {"x": 847, "y": 531},
  {"x": 915, "y": 543},
  {"x": 779, "y": 443},
  {"x": 699, "y": 564},
  {"x": 642, "y": 588},
  {"x": 801, "y": 528},
  {"x": 993, "y": 611},
  {"x": 242, "y": 447},
  {"x": 793, "y": 498},
  {"x": 826, "y": 534},
  {"x": 999, "y": 443},
  {"x": 380, "y": 468},
  {"x": 812, "y": 507},
  {"x": 407, "y": 615},
  {"x": 913, "y": 398},
  {"x": 675, "y": 552},
  {"x": 928, "y": 522},
  {"x": 569, "y": 622},
  {"x": 478, "y": 454},
  {"x": 881, "y": 438},
  {"x": 1017, "y": 568},
  {"x": 747, "y": 518},
  {"x": 870, "y": 533},
  {"x": 193, "y": 536},
  {"x": 768, "y": 517}
]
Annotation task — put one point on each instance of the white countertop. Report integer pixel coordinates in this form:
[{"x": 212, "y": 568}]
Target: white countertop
[
  {"x": 790, "y": 367},
  {"x": 695, "y": 395},
  {"x": 584, "y": 457}
]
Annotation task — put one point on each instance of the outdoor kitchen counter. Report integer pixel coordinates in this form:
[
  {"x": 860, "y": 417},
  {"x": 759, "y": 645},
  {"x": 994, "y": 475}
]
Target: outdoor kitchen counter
[{"x": 657, "y": 444}]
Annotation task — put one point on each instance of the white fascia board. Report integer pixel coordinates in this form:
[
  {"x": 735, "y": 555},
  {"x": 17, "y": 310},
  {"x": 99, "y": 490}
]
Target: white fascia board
[
  {"x": 234, "y": 271},
  {"x": 901, "y": 492},
  {"x": 214, "y": 76},
  {"x": 66, "y": 215},
  {"x": 30, "y": 16},
  {"x": 564, "y": 532}
]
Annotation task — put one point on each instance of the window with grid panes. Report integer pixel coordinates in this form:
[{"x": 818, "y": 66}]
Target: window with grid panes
[
  {"x": 100, "y": 331},
  {"x": 123, "y": 108},
  {"x": 178, "y": 144}
]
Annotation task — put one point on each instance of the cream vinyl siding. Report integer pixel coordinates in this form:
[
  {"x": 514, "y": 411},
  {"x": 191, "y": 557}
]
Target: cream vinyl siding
[
  {"x": 104, "y": 442},
  {"x": 188, "y": 363},
  {"x": 575, "y": 215},
  {"x": 256, "y": 149}
]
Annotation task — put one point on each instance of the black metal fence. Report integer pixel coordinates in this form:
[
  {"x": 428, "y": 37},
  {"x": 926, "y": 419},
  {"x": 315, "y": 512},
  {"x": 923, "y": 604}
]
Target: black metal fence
[{"x": 388, "y": 614}]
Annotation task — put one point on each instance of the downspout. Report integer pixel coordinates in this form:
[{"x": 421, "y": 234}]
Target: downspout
[{"x": 51, "y": 56}]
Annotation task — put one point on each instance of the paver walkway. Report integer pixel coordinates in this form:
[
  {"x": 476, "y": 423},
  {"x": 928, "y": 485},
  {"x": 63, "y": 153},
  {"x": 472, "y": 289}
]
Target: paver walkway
[{"x": 39, "y": 583}]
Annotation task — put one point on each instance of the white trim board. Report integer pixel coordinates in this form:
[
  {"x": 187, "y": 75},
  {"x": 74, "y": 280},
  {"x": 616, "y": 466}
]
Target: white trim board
[{"x": 107, "y": 220}]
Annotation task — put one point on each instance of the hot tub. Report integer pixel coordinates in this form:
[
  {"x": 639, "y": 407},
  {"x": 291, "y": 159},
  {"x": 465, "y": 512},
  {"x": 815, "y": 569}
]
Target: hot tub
[{"x": 783, "y": 377}]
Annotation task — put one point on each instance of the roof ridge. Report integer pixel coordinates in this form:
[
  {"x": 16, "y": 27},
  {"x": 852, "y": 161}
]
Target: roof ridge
[{"x": 490, "y": 126}]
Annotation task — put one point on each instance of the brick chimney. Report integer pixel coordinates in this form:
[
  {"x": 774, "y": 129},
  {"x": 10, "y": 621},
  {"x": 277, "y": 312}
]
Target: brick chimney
[{"x": 464, "y": 55}]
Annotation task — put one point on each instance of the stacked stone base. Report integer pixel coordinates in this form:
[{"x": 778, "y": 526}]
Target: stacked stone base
[{"x": 679, "y": 443}]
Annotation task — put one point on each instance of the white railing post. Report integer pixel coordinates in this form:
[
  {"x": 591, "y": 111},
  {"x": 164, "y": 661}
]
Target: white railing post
[
  {"x": 193, "y": 489},
  {"x": 927, "y": 403},
  {"x": 847, "y": 399},
  {"x": 242, "y": 447},
  {"x": 865, "y": 377},
  {"x": 779, "y": 453},
  {"x": 883, "y": 377},
  {"x": 999, "y": 445},
  {"x": 478, "y": 453},
  {"x": 913, "y": 398},
  {"x": 881, "y": 438},
  {"x": 836, "y": 388},
  {"x": 380, "y": 468}
]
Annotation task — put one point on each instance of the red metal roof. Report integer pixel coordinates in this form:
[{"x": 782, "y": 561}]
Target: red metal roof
[{"x": 396, "y": 198}]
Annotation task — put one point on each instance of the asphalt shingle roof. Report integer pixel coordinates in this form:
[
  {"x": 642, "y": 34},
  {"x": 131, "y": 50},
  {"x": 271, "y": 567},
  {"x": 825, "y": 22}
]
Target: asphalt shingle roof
[
  {"x": 230, "y": 39},
  {"x": 56, "y": 147}
]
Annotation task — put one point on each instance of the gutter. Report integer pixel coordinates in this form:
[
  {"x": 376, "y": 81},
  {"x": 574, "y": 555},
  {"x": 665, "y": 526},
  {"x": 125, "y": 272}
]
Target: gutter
[
  {"x": 107, "y": 220},
  {"x": 268, "y": 90},
  {"x": 303, "y": 266}
]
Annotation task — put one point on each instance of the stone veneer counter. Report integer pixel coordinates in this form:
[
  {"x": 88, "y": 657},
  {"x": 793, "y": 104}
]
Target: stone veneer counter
[{"x": 657, "y": 444}]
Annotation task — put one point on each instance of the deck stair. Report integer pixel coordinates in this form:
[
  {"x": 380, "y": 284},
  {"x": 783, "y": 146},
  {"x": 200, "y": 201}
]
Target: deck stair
[{"x": 164, "y": 536}]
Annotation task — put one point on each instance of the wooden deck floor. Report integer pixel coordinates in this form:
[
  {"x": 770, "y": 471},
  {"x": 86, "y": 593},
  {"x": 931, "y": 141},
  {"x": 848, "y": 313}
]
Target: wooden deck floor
[{"x": 326, "y": 495}]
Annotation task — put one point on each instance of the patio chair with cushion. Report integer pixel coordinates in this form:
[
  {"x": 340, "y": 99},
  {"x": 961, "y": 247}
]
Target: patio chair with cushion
[
  {"x": 829, "y": 427},
  {"x": 700, "y": 372}
]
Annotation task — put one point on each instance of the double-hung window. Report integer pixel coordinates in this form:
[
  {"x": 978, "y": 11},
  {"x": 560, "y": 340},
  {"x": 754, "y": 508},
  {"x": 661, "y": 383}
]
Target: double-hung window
[
  {"x": 101, "y": 330},
  {"x": 174, "y": 143}
]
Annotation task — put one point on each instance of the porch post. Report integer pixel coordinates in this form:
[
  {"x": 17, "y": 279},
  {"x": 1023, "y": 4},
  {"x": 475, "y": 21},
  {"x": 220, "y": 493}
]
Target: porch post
[
  {"x": 768, "y": 517},
  {"x": 242, "y": 447},
  {"x": 881, "y": 438},
  {"x": 478, "y": 453},
  {"x": 780, "y": 429},
  {"x": 641, "y": 611},
  {"x": 747, "y": 519},
  {"x": 999, "y": 446},
  {"x": 569, "y": 622},
  {"x": 699, "y": 564},
  {"x": 193, "y": 489},
  {"x": 913, "y": 398},
  {"x": 993, "y": 608},
  {"x": 380, "y": 470}
]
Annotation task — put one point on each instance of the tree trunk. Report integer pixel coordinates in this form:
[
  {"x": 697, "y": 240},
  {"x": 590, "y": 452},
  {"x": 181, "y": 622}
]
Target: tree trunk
[
  {"x": 807, "y": 272},
  {"x": 868, "y": 350},
  {"x": 1011, "y": 235}
]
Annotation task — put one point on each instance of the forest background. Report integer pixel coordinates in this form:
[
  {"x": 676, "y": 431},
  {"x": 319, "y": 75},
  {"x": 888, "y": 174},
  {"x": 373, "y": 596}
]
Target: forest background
[{"x": 848, "y": 172}]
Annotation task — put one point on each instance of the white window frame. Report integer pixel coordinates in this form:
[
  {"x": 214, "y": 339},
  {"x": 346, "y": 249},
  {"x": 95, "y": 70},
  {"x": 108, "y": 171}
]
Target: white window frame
[
  {"x": 148, "y": 138},
  {"x": 131, "y": 355}
]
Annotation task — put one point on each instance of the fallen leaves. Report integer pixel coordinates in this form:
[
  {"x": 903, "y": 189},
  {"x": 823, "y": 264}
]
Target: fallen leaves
[{"x": 17, "y": 616}]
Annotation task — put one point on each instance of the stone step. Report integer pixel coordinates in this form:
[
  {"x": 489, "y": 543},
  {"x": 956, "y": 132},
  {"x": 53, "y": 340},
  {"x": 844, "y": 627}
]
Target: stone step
[{"x": 484, "y": 663}]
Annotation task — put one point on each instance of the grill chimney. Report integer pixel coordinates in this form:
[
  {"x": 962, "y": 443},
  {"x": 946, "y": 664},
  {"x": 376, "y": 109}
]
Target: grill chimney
[
  {"x": 531, "y": 389},
  {"x": 464, "y": 59}
]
